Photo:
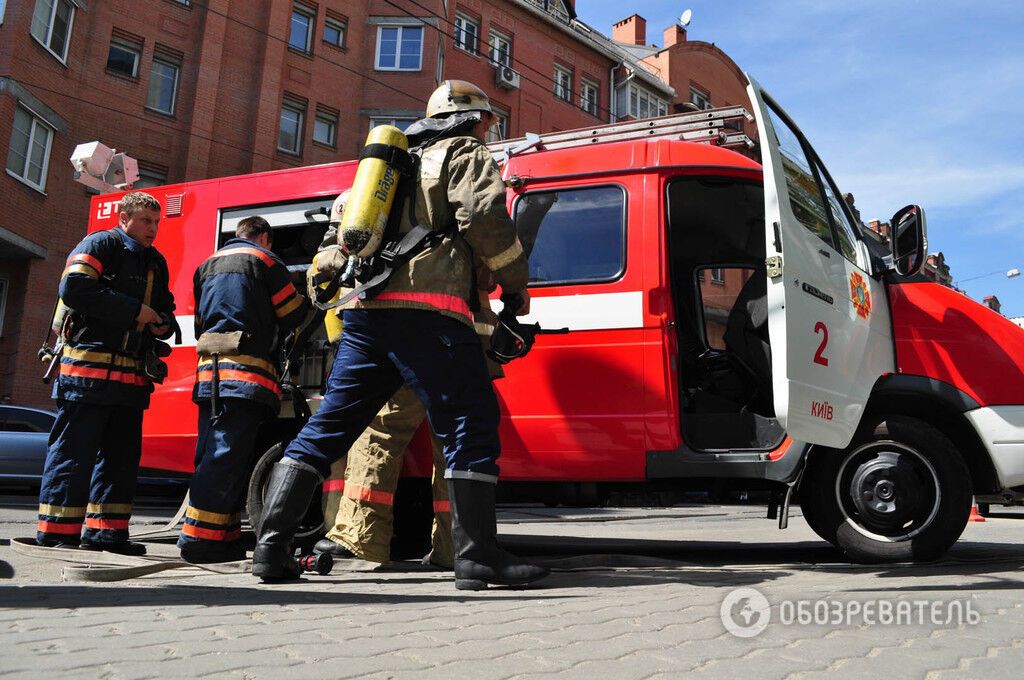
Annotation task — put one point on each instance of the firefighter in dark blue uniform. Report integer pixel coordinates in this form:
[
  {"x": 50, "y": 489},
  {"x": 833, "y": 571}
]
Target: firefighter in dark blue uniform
[
  {"x": 245, "y": 306},
  {"x": 115, "y": 285}
]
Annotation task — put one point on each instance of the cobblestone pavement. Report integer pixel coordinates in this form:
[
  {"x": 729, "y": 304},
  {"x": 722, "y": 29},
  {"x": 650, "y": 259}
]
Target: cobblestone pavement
[{"x": 637, "y": 593}]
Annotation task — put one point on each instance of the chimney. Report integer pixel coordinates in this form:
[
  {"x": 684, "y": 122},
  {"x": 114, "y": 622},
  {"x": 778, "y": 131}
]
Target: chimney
[
  {"x": 631, "y": 30},
  {"x": 674, "y": 35},
  {"x": 992, "y": 302}
]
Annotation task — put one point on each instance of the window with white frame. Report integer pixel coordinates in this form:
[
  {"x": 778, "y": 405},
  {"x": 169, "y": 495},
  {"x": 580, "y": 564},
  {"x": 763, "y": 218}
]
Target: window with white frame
[
  {"x": 701, "y": 100},
  {"x": 500, "y": 49},
  {"x": 300, "y": 35},
  {"x": 29, "y": 155},
  {"x": 334, "y": 31},
  {"x": 645, "y": 104},
  {"x": 399, "y": 48},
  {"x": 123, "y": 56},
  {"x": 4, "y": 283},
  {"x": 467, "y": 34},
  {"x": 499, "y": 127},
  {"x": 3, "y": 6},
  {"x": 51, "y": 25},
  {"x": 325, "y": 127},
  {"x": 563, "y": 83},
  {"x": 163, "y": 83},
  {"x": 291, "y": 125},
  {"x": 588, "y": 97},
  {"x": 400, "y": 123},
  {"x": 718, "y": 275}
]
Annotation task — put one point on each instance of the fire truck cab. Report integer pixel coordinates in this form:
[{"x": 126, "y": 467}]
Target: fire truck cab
[{"x": 731, "y": 326}]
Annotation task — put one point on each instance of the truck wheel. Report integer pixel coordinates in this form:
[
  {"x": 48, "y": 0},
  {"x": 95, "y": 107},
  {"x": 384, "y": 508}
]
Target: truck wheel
[
  {"x": 809, "y": 510},
  {"x": 312, "y": 527},
  {"x": 901, "y": 492}
]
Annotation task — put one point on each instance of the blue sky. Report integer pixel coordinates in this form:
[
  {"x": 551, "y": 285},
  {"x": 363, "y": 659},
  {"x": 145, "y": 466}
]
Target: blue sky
[{"x": 905, "y": 101}]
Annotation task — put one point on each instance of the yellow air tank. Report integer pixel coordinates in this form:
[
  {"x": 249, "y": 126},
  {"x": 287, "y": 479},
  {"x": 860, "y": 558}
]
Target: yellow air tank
[{"x": 372, "y": 193}]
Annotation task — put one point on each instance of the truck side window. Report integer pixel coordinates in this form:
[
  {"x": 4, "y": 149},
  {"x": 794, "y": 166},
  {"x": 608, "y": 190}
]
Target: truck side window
[
  {"x": 844, "y": 226},
  {"x": 804, "y": 192},
  {"x": 573, "y": 235}
]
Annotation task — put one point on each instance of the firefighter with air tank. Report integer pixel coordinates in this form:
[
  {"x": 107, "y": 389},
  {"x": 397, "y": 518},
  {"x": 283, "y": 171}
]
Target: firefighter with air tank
[{"x": 409, "y": 320}]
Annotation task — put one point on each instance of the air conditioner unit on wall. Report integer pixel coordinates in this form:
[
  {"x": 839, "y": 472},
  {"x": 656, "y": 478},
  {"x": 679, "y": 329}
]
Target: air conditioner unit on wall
[{"x": 507, "y": 77}]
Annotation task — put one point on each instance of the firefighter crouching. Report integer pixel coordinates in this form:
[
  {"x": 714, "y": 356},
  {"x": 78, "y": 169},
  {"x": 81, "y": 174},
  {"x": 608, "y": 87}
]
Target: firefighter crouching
[
  {"x": 419, "y": 330},
  {"x": 115, "y": 285},
  {"x": 245, "y": 306}
]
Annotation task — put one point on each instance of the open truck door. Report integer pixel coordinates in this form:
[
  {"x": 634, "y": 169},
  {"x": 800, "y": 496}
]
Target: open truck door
[{"x": 828, "y": 318}]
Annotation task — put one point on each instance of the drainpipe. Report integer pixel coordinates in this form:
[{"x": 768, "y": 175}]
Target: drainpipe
[{"x": 612, "y": 113}]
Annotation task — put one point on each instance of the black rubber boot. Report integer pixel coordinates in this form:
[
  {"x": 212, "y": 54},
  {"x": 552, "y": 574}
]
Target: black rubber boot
[
  {"x": 289, "y": 489},
  {"x": 213, "y": 554},
  {"x": 335, "y": 550},
  {"x": 478, "y": 559},
  {"x": 121, "y": 548}
]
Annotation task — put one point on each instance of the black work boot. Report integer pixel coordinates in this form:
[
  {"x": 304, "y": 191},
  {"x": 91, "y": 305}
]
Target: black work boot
[
  {"x": 121, "y": 547},
  {"x": 478, "y": 559},
  {"x": 335, "y": 550},
  {"x": 289, "y": 489}
]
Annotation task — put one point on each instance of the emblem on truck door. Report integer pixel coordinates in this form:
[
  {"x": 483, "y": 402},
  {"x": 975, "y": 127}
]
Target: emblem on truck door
[{"x": 860, "y": 295}]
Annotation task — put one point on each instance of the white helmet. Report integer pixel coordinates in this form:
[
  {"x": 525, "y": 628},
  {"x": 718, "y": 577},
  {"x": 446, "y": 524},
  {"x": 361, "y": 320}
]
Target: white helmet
[
  {"x": 338, "y": 207},
  {"x": 457, "y": 95}
]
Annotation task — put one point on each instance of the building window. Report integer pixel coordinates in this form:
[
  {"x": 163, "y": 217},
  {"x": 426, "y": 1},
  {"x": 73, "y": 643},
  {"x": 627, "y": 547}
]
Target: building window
[
  {"x": 325, "y": 128},
  {"x": 718, "y": 276},
  {"x": 150, "y": 176},
  {"x": 123, "y": 56},
  {"x": 51, "y": 25},
  {"x": 400, "y": 123},
  {"x": 501, "y": 49},
  {"x": 701, "y": 100},
  {"x": 644, "y": 104},
  {"x": 467, "y": 34},
  {"x": 588, "y": 97},
  {"x": 399, "y": 48},
  {"x": 334, "y": 32},
  {"x": 29, "y": 155},
  {"x": 563, "y": 83},
  {"x": 301, "y": 33},
  {"x": 3, "y": 5},
  {"x": 292, "y": 123},
  {"x": 163, "y": 84},
  {"x": 499, "y": 128}
]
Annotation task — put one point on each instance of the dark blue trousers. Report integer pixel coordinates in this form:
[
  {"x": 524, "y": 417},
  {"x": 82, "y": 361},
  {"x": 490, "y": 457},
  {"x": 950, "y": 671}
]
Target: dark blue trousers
[
  {"x": 90, "y": 442},
  {"x": 224, "y": 458},
  {"x": 439, "y": 357}
]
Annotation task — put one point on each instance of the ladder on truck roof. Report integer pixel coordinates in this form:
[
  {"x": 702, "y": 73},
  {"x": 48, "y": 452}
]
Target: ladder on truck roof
[{"x": 721, "y": 127}]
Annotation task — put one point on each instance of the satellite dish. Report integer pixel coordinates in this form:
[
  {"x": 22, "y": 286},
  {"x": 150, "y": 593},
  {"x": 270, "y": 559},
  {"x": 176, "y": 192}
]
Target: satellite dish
[{"x": 685, "y": 17}]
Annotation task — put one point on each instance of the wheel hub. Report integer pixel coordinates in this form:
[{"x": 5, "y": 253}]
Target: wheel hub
[{"x": 891, "y": 491}]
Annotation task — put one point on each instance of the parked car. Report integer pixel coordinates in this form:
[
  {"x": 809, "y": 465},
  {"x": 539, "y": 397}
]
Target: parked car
[{"x": 23, "y": 437}]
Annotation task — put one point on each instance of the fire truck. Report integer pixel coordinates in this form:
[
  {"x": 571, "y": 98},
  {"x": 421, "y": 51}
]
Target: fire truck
[{"x": 731, "y": 326}]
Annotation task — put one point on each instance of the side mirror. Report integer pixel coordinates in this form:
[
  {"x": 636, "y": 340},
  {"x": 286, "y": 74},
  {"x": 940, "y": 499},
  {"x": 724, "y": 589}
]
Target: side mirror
[{"x": 909, "y": 240}]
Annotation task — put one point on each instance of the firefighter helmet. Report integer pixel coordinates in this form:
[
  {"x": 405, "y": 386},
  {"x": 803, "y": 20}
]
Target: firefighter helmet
[{"x": 457, "y": 95}]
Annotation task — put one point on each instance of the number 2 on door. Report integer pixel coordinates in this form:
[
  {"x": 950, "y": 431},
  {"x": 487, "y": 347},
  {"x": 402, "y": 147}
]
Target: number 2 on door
[{"x": 819, "y": 356}]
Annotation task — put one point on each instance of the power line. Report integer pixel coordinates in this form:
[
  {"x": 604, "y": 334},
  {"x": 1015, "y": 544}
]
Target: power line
[{"x": 513, "y": 59}]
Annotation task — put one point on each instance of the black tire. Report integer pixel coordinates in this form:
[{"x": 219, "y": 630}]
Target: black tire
[
  {"x": 899, "y": 492},
  {"x": 312, "y": 528}
]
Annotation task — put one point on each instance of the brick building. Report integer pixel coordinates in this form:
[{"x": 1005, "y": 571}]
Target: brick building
[{"x": 204, "y": 88}]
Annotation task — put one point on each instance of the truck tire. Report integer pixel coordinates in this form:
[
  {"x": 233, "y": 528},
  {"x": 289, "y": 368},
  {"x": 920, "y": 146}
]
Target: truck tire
[
  {"x": 312, "y": 528},
  {"x": 901, "y": 492}
]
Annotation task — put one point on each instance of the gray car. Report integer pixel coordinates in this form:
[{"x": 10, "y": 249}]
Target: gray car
[{"x": 24, "y": 433}]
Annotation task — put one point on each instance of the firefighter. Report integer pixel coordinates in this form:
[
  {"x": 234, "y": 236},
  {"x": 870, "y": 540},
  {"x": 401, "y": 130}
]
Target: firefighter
[
  {"x": 419, "y": 331},
  {"x": 115, "y": 284},
  {"x": 245, "y": 306}
]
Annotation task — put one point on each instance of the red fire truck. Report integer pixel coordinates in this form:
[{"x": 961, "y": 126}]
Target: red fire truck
[{"x": 731, "y": 325}]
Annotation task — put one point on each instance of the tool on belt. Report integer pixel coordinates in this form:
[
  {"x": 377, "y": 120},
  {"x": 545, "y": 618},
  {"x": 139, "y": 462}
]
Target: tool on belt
[
  {"x": 511, "y": 338},
  {"x": 213, "y": 345}
]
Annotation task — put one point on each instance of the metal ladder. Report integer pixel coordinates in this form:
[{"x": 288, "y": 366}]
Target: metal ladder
[{"x": 721, "y": 127}]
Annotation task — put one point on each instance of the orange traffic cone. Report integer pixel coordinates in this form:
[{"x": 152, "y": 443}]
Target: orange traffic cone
[{"x": 975, "y": 515}]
